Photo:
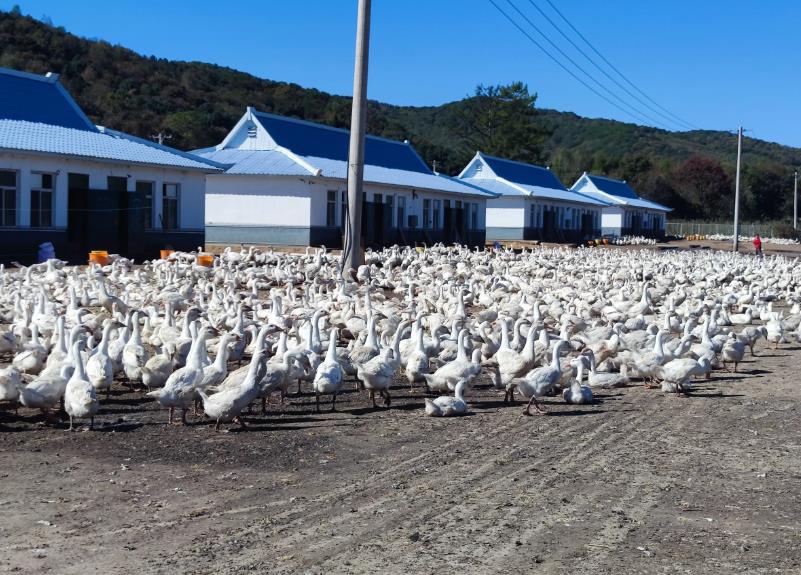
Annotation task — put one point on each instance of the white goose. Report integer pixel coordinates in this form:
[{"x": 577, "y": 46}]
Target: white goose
[
  {"x": 328, "y": 378},
  {"x": 80, "y": 398},
  {"x": 578, "y": 394},
  {"x": 538, "y": 382},
  {"x": 227, "y": 405},
  {"x": 447, "y": 406}
]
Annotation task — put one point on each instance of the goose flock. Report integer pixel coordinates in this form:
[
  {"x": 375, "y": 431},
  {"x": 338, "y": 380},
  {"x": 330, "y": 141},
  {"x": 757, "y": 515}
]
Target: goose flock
[{"x": 220, "y": 340}]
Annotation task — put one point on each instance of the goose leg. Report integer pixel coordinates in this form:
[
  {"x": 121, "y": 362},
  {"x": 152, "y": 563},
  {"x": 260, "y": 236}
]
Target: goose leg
[
  {"x": 172, "y": 412},
  {"x": 387, "y": 398},
  {"x": 92, "y": 422},
  {"x": 241, "y": 423},
  {"x": 533, "y": 401},
  {"x": 217, "y": 425},
  {"x": 263, "y": 405},
  {"x": 334, "y": 403},
  {"x": 183, "y": 416},
  {"x": 108, "y": 392},
  {"x": 317, "y": 401},
  {"x": 71, "y": 426},
  {"x": 372, "y": 398}
]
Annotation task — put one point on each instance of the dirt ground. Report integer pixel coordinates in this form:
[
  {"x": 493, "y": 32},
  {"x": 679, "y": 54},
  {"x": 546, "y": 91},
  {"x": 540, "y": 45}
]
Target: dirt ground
[{"x": 637, "y": 483}]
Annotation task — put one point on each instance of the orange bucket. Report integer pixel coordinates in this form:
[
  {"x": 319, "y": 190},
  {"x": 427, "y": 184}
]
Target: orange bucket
[
  {"x": 164, "y": 254},
  {"x": 206, "y": 260},
  {"x": 99, "y": 257}
]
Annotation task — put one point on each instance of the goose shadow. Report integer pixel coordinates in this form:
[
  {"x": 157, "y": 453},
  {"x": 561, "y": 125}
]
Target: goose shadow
[
  {"x": 123, "y": 427},
  {"x": 264, "y": 427},
  {"x": 574, "y": 412}
]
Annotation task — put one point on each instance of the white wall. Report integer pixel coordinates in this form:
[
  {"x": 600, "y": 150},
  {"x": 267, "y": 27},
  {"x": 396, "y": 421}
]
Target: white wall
[
  {"x": 233, "y": 199},
  {"x": 192, "y": 184},
  {"x": 506, "y": 212},
  {"x": 612, "y": 217}
]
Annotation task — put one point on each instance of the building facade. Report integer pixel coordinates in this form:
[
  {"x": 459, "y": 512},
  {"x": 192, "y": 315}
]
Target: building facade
[
  {"x": 83, "y": 187},
  {"x": 626, "y": 213},
  {"x": 531, "y": 202},
  {"x": 286, "y": 184}
]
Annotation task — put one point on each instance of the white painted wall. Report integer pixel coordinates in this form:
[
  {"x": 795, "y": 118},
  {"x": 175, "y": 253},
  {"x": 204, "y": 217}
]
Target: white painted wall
[
  {"x": 303, "y": 202},
  {"x": 192, "y": 184},
  {"x": 612, "y": 217},
  {"x": 506, "y": 212},
  {"x": 233, "y": 199}
]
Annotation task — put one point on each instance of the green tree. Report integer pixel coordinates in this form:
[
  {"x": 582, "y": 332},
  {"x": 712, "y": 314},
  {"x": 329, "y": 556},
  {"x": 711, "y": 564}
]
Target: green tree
[{"x": 501, "y": 121}]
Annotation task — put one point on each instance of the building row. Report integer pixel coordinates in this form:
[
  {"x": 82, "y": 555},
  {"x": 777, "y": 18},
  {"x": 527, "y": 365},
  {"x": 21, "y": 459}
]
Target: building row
[{"x": 272, "y": 180}]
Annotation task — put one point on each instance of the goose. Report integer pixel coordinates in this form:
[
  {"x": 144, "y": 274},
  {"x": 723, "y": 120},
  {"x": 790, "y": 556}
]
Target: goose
[
  {"x": 278, "y": 374},
  {"x": 10, "y": 384},
  {"x": 774, "y": 329},
  {"x": 134, "y": 354},
  {"x": 675, "y": 375},
  {"x": 538, "y": 382},
  {"x": 417, "y": 361},
  {"x": 377, "y": 374},
  {"x": 578, "y": 394},
  {"x": 31, "y": 359},
  {"x": 328, "y": 378},
  {"x": 446, "y": 377},
  {"x": 46, "y": 390},
  {"x": 80, "y": 397},
  {"x": 180, "y": 388},
  {"x": 733, "y": 351},
  {"x": 512, "y": 364},
  {"x": 99, "y": 368},
  {"x": 605, "y": 380},
  {"x": 447, "y": 406},
  {"x": 227, "y": 405},
  {"x": 158, "y": 368}
]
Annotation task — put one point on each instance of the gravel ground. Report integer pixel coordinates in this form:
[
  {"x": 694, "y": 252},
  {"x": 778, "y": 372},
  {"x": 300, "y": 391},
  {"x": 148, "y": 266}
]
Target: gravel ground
[{"x": 637, "y": 483}]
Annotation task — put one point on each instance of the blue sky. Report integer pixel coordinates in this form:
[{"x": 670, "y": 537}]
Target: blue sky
[{"x": 715, "y": 64}]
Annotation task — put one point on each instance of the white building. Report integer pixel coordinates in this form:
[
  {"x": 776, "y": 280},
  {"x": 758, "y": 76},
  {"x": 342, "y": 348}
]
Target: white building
[
  {"x": 626, "y": 213},
  {"x": 83, "y": 187},
  {"x": 286, "y": 184},
  {"x": 532, "y": 203}
]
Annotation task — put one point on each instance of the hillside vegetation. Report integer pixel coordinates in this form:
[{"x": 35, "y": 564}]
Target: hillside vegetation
[{"x": 198, "y": 103}]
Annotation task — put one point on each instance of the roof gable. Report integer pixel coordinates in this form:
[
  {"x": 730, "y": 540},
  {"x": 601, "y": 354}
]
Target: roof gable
[
  {"x": 617, "y": 188},
  {"x": 42, "y": 99},
  {"x": 312, "y": 140},
  {"x": 520, "y": 173}
]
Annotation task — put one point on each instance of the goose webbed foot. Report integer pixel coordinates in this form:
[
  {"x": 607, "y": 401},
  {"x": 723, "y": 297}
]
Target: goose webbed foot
[{"x": 241, "y": 422}]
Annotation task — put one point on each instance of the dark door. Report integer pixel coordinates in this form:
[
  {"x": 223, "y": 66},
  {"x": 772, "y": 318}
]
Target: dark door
[
  {"x": 586, "y": 226},
  {"x": 548, "y": 225},
  {"x": 77, "y": 214},
  {"x": 636, "y": 224},
  {"x": 116, "y": 201}
]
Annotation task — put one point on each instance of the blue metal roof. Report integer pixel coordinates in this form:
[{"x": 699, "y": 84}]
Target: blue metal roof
[
  {"x": 33, "y": 98},
  {"x": 536, "y": 192},
  {"x": 321, "y": 141},
  {"x": 17, "y": 135},
  {"x": 617, "y": 188},
  {"x": 255, "y": 162},
  {"x": 280, "y": 163},
  {"x": 521, "y": 173}
]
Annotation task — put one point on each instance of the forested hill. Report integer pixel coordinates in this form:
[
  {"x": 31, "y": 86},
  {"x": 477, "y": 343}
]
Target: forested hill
[{"x": 198, "y": 103}]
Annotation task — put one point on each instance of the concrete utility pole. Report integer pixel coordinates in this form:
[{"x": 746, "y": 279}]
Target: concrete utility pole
[
  {"x": 160, "y": 137},
  {"x": 795, "y": 201},
  {"x": 737, "y": 191},
  {"x": 352, "y": 254}
]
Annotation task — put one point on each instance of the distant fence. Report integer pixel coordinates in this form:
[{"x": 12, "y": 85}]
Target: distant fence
[{"x": 767, "y": 230}]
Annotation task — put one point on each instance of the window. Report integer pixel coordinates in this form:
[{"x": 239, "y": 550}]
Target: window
[
  {"x": 146, "y": 189},
  {"x": 378, "y": 198},
  {"x": 8, "y": 198},
  {"x": 426, "y": 213},
  {"x": 532, "y": 216},
  {"x": 171, "y": 195},
  {"x": 401, "y": 211},
  {"x": 41, "y": 200},
  {"x": 331, "y": 209},
  {"x": 343, "y": 210},
  {"x": 435, "y": 216},
  {"x": 473, "y": 216}
]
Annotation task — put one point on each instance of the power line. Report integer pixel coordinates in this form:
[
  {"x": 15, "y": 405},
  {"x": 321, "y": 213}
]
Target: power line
[
  {"x": 608, "y": 63},
  {"x": 563, "y": 67},
  {"x": 607, "y": 74},
  {"x": 583, "y": 71}
]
